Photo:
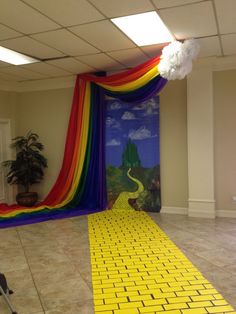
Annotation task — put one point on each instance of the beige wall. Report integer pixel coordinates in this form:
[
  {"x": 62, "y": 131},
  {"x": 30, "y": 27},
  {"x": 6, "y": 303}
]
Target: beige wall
[
  {"x": 173, "y": 144},
  {"x": 8, "y": 107},
  {"x": 225, "y": 138},
  {"x": 47, "y": 114}
]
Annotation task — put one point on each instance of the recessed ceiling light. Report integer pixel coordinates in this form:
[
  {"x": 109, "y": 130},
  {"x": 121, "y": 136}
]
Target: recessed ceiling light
[
  {"x": 144, "y": 29},
  {"x": 13, "y": 57}
]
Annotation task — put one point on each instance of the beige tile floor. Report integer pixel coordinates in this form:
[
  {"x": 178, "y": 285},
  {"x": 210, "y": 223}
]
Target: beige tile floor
[{"x": 48, "y": 265}]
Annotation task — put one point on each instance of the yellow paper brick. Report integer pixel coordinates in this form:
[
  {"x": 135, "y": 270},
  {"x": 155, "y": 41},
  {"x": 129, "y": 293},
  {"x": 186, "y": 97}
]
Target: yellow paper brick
[
  {"x": 186, "y": 293},
  {"x": 207, "y": 291},
  {"x": 163, "y": 295},
  {"x": 130, "y": 305},
  {"x": 200, "y": 304},
  {"x": 140, "y": 297},
  {"x": 106, "y": 307},
  {"x": 126, "y": 311},
  {"x": 172, "y": 312},
  {"x": 98, "y": 302},
  {"x": 219, "y": 309},
  {"x": 195, "y": 311},
  {"x": 193, "y": 287},
  {"x": 151, "y": 309},
  {"x": 203, "y": 298},
  {"x": 155, "y": 302},
  {"x": 175, "y": 306},
  {"x": 127, "y": 293},
  {"x": 116, "y": 300},
  {"x": 136, "y": 288},
  {"x": 219, "y": 302},
  {"x": 179, "y": 299},
  {"x": 116, "y": 289},
  {"x": 104, "y": 295}
]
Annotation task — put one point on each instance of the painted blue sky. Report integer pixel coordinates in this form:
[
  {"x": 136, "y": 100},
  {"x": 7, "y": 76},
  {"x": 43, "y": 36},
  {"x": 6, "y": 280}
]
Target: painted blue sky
[{"x": 140, "y": 123}]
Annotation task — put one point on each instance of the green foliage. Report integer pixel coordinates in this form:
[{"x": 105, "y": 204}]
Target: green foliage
[
  {"x": 146, "y": 175},
  {"x": 149, "y": 201},
  {"x": 118, "y": 181},
  {"x": 28, "y": 167},
  {"x": 130, "y": 157}
]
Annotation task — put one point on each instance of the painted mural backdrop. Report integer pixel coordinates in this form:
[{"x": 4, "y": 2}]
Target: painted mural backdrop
[{"x": 133, "y": 155}]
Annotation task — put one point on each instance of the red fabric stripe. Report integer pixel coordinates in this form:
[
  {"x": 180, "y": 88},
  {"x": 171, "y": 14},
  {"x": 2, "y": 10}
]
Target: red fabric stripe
[
  {"x": 73, "y": 134},
  {"x": 123, "y": 77}
]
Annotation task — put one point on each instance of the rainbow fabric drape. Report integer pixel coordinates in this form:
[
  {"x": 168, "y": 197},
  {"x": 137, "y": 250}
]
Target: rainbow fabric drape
[{"x": 81, "y": 184}]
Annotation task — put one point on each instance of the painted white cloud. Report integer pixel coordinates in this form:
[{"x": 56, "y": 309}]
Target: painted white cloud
[
  {"x": 141, "y": 106},
  {"x": 149, "y": 106},
  {"x": 115, "y": 106},
  {"x": 112, "y": 123},
  {"x": 152, "y": 103},
  {"x": 127, "y": 115},
  {"x": 140, "y": 134},
  {"x": 113, "y": 142},
  {"x": 150, "y": 112}
]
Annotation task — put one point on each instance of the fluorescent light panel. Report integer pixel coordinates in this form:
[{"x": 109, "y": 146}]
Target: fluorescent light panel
[
  {"x": 144, "y": 29},
  {"x": 13, "y": 57}
]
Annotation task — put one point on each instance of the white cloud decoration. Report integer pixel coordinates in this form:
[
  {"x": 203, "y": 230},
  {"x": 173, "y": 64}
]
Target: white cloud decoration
[
  {"x": 112, "y": 123},
  {"x": 140, "y": 134},
  {"x": 176, "y": 59},
  {"x": 113, "y": 142},
  {"x": 127, "y": 115},
  {"x": 115, "y": 106}
]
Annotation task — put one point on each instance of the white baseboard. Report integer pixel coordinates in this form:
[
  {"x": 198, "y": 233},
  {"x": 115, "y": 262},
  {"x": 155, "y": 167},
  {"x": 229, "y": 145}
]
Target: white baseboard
[
  {"x": 201, "y": 208},
  {"x": 197, "y": 213},
  {"x": 174, "y": 210},
  {"x": 226, "y": 213}
]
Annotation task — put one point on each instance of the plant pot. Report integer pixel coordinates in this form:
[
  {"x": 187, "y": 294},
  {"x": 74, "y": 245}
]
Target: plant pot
[{"x": 27, "y": 199}]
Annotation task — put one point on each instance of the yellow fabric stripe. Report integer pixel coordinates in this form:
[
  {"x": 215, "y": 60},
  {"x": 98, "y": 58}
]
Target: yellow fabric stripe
[{"x": 134, "y": 84}]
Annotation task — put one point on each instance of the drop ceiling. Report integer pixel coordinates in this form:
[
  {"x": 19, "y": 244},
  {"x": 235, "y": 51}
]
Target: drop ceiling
[{"x": 76, "y": 36}]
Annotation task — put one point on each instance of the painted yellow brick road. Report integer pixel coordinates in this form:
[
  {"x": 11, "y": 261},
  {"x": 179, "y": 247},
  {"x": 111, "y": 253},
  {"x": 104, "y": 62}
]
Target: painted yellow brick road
[
  {"x": 137, "y": 269},
  {"x": 122, "y": 200}
]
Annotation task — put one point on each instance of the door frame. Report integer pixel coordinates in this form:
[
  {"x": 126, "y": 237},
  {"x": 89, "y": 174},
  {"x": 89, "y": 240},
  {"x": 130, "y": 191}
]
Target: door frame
[{"x": 7, "y": 125}]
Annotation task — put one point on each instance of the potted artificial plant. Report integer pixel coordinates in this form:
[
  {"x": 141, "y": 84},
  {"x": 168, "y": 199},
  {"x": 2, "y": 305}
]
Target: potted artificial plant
[{"x": 27, "y": 168}]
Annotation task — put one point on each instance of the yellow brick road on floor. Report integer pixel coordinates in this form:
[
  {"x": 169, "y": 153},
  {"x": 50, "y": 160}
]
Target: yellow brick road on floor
[{"x": 137, "y": 269}]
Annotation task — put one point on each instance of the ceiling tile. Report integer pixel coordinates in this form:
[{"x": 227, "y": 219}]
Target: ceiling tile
[
  {"x": 225, "y": 10},
  {"x": 153, "y": 50},
  {"x": 4, "y": 64},
  {"x": 209, "y": 46},
  {"x": 72, "y": 65},
  {"x": 8, "y": 77},
  {"x": 100, "y": 62},
  {"x": 23, "y": 18},
  {"x": 67, "y": 12},
  {"x": 114, "y": 8},
  {"x": 195, "y": 20},
  {"x": 66, "y": 42},
  {"x": 129, "y": 57},
  {"x": 46, "y": 69},
  {"x": 172, "y": 3},
  {"x": 6, "y": 33},
  {"x": 22, "y": 73},
  {"x": 103, "y": 35},
  {"x": 229, "y": 44},
  {"x": 31, "y": 47}
]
